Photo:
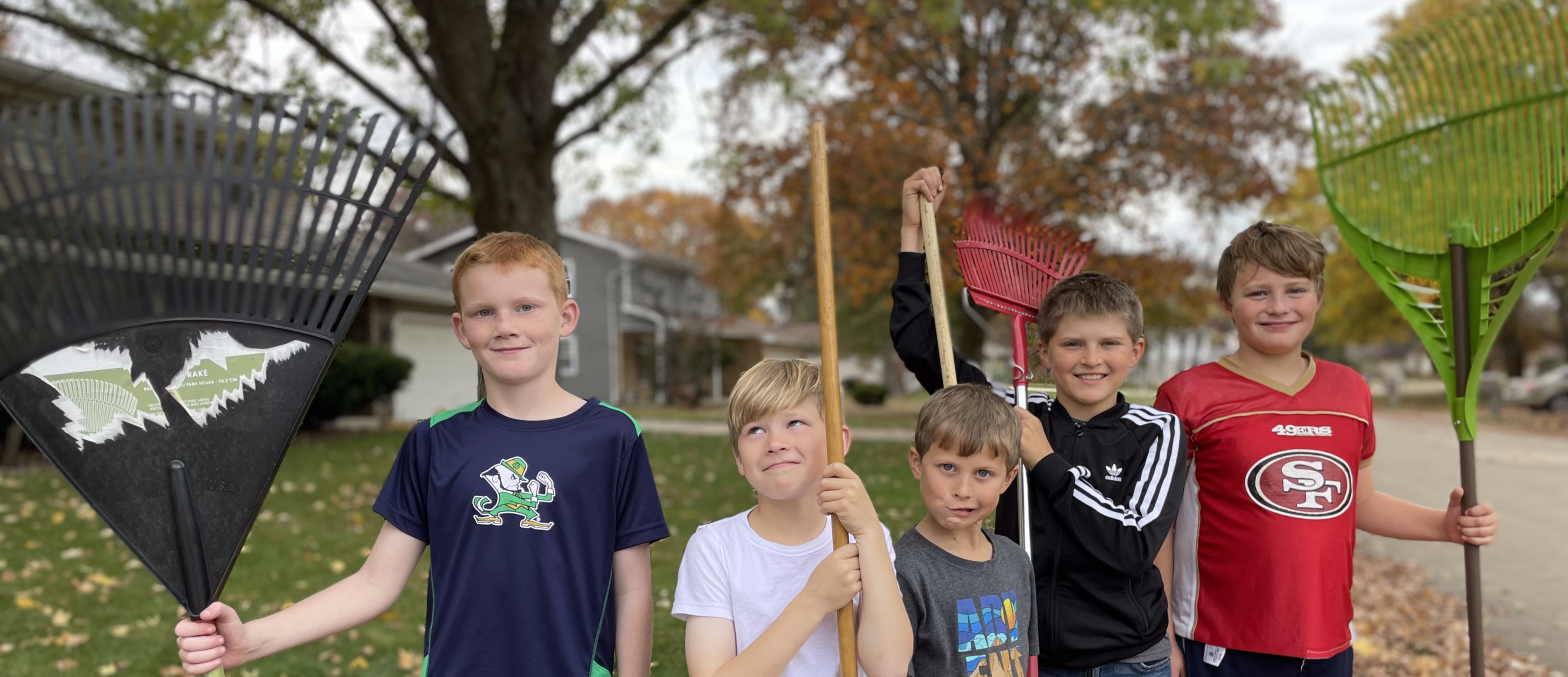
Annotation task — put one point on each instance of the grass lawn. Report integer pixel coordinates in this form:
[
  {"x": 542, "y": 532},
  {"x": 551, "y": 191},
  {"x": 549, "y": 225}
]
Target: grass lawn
[{"x": 74, "y": 602}]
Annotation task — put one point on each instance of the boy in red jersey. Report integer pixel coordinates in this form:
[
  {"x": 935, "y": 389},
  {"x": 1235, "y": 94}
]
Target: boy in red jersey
[{"x": 1279, "y": 478}]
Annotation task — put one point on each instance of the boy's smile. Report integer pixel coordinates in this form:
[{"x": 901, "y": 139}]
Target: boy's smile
[
  {"x": 1273, "y": 313},
  {"x": 511, "y": 321},
  {"x": 1089, "y": 357}
]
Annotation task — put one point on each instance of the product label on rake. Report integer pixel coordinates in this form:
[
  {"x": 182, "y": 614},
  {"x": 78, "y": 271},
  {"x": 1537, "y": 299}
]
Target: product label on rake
[
  {"x": 220, "y": 369},
  {"x": 97, "y": 392}
]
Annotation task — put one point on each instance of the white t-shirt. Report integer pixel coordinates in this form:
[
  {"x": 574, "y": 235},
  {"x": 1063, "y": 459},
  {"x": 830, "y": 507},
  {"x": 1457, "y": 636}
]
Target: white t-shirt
[{"x": 730, "y": 572}]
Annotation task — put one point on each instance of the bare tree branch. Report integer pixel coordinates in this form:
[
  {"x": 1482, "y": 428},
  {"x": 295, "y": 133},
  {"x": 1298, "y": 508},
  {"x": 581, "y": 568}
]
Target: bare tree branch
[
  {"x": 632, "y": 97},
  {"x": 408, "y": 51},
  {"x": 332, "y": 57},
  {"x": 582, "y": 30},
  {"x": 83, "y": 34},
  {"x": 673, "y": 21}
]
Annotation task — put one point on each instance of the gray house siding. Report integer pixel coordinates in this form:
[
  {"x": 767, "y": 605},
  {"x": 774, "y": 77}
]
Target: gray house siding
[{"x": 588, "y": 372}]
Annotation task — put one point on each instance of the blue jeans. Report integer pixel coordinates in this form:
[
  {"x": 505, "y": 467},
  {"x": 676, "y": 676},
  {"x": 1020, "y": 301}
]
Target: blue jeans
[{"x": 1159, "y": 668}]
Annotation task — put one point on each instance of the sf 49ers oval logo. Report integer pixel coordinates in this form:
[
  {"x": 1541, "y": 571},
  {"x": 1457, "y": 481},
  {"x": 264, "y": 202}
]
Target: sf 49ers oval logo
[{"x": 1302, "y": 483}]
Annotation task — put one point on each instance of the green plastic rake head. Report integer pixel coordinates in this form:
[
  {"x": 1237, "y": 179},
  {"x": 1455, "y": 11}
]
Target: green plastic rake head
[{"x": 1457, "y": 135}]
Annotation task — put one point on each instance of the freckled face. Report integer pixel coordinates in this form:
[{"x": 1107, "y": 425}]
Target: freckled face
[
  {"x": 511, "y": 322},
  {"x": 1273, "y": 313},
  {"x": 959, "y": 491}
]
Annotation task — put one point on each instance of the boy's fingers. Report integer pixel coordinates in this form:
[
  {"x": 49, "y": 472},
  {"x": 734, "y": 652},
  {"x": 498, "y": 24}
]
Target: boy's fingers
[
  {"x": 1455, "y": 496},
  {"x": 1480, "y": 510},
  {"x": 199, "y": 657},
  {"x": 190, "y": 628},
  {"x": 203, "y": 668},
  {"x": 202, "y": 643}
]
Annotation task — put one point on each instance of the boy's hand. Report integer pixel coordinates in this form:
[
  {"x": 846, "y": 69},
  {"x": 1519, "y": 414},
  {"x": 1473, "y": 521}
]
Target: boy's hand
[
  {"x": 218, "y": 638},
  {"x": 841, "y": 493},
  {"x": 930, "y": 183},
  {"x": 835, "y": 581},
  {"x": 1475, "y": 527},
  {"x": 1034, "y": 445}
]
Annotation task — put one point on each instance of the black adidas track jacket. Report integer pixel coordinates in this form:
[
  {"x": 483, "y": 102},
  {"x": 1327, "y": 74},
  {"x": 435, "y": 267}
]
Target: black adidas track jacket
[{"x": 1100, "y": 506}]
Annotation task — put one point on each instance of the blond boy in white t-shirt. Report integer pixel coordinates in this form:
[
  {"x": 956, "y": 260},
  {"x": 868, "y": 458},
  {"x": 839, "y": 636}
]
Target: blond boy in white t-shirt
[{"x": 759, "y": 590}]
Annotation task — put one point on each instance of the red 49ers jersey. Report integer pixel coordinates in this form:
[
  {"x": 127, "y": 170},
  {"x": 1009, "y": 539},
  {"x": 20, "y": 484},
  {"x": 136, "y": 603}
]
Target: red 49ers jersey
[{"x": 1267, "y": 528}]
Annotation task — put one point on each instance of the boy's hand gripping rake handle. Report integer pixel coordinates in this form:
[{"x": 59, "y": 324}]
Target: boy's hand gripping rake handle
[
  {"x": 832, "y": 403},
  {"x": 944, "y": 346},
  {"x": 1460, "y": 304}
]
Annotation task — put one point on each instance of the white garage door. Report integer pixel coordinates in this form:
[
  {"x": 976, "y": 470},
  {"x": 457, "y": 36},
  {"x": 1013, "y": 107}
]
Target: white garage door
[{"x": 444, "y": 375}]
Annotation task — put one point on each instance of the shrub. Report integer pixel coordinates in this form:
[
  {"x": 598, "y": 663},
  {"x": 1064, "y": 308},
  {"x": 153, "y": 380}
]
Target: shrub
[
  {"x": 360, "y": 374},
  {"x": 868, "y": 393}
]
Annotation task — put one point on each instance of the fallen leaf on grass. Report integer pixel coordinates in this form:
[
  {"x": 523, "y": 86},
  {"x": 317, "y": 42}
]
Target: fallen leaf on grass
[
  {"x": 120, "y": 630},
  {"x": 358, "y": 663},
  {"x": 60, "y": 618},
  {"x": 72, "y": 553},
  {"x": 25, "y": 602},
  {"x": 408, "y": 660},
  {"x": 172, "y": 671},
  {"x": 65, "y": 664}
]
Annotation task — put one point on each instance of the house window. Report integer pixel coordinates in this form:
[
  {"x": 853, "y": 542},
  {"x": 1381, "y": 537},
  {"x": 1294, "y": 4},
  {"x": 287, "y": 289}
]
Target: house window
[
  {"x": 566, "y": 358},
  {"x": 571, "y": 275}
]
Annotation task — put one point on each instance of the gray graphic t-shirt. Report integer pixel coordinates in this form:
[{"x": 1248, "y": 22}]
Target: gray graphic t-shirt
[{"x": 975, "y": 619}]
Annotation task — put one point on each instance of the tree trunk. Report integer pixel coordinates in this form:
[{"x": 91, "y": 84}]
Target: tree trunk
[
  {"x": 512, "y": 184},
  {"x": 892, "y": 371}
]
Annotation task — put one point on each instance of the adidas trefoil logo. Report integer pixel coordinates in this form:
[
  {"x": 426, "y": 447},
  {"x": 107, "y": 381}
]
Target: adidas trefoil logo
[{"x": 1115, "y": 473}]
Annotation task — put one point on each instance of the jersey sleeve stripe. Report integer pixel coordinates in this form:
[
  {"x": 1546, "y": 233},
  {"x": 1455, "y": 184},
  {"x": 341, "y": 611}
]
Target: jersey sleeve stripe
[{"x": 1166, "y": 441}]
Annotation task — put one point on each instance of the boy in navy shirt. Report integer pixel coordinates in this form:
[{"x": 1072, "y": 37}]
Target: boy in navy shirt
[{"x": 536, "y": 505}]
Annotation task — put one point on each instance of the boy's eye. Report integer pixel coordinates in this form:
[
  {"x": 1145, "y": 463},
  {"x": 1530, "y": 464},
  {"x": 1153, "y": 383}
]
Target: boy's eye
[
  {"x": 525, "y": 307},
  {"x": 945, "y": 467},
  {"x": 983, "y": 473},
  {"x": 754, "y": 430},
  {"x": 796, "y": 423},
  {"x": 483, "y": 313}
]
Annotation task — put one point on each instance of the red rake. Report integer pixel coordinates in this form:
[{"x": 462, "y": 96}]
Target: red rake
[{"x": 1009, "y": 263}]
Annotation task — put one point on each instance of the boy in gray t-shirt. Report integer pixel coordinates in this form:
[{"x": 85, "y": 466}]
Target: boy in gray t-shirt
[{"x": 970, "y": 595}]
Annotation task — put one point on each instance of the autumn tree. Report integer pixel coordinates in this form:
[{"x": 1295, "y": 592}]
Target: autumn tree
[
  {"x": 665, "y": 222},
  {"x": 518, "y": 82},
  {"x": 1067, "y": 110}
]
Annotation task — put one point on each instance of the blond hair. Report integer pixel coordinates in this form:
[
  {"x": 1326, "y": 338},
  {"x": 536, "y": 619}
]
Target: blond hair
[
  {"x": 969, "y": 418},
  {"x": 771, "y": 386},
  {"x": 1090, "y": 295},
  {"x": 1282, "y": 248},
  {"x": 512, "y": 249}
]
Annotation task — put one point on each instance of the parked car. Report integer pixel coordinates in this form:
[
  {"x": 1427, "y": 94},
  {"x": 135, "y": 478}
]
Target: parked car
[{"x": 1548, "y": 390}]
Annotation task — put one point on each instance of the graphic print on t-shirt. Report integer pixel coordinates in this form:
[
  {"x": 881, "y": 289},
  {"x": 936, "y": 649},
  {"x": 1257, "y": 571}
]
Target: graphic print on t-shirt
[
  {"x": 990, "y": 622},
  {"x": 1302, "y": 483},
  {"x": 515, "y": 494}
]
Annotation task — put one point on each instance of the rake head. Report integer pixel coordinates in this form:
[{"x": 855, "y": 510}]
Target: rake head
[
  {"x": 1455, "y": 135},
  {"x": 1009, "y": 261},
  {"x": 175, "y": 275}
]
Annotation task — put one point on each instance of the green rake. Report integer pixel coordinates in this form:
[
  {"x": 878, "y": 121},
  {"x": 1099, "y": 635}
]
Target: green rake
[{"x": 1444, "y": 159}]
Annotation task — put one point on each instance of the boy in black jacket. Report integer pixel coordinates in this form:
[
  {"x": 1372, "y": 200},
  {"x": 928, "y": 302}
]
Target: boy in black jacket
[{"x": 1106, "y": 475}]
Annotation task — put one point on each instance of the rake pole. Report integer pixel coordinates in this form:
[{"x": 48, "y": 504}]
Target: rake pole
[
  {"x": 832, "y": 403},
  {"x": 944, "y": 333},
  {"x": 1458, "y": 271}
]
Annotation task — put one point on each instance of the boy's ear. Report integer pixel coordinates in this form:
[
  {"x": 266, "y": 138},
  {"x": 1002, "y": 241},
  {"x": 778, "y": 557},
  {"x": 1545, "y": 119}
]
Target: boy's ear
[
  {"x": 846, "y": 441},
  {"x": 1138, "y": 346},
  {"x": 1225, "y": 307},
  {"x": 457, "y": 328},
  {"x": 1013, "y": 475},
  {"x": 914, "y": 463},
  {"x": 569, "y": 315}
]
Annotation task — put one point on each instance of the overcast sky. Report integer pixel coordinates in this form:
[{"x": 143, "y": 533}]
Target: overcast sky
[{"x": 1324, "y": 34}]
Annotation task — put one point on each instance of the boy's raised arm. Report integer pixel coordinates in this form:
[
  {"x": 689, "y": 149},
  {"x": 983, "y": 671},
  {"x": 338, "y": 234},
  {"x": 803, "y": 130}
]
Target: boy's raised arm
[
  {"x": 220, "y": 636},
  {"x": 911, "y": 324}
]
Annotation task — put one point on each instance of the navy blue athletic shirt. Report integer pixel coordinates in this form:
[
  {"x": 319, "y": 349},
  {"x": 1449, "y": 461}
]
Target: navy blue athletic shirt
[{"x": 523, "y": 519}]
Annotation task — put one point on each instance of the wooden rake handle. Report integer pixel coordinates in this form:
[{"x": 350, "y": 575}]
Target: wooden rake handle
[
  {"x": 944, "y": 334},
  {"x": 832, "y": 403}
]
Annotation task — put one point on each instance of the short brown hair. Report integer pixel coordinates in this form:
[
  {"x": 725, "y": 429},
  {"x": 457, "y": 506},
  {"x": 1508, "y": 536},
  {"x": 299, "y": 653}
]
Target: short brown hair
[
  {"x": 1086, "y": 295},
  {"x": 970, "y": 419},
  {"x": 512, "y": 249},
  {"x": 771, "y": 386},
  {"x": 1282, "y": 248}
]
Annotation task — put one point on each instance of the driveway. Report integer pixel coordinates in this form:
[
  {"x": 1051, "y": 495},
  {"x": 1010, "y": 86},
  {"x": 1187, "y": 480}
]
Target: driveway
[{"x": 1522, "y": 474}]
